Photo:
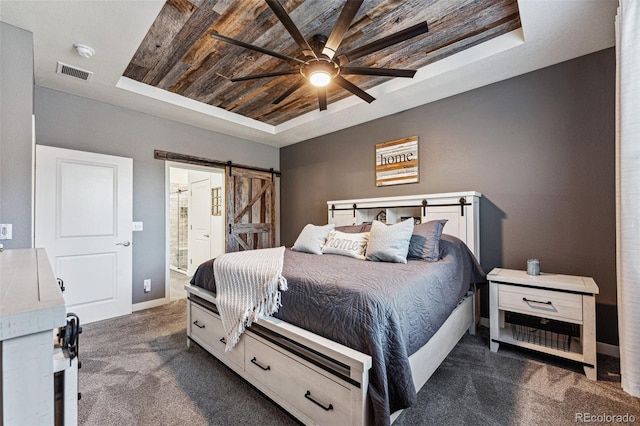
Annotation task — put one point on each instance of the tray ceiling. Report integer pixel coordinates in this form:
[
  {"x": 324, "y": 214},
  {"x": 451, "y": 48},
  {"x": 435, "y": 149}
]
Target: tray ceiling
[
  {"x": 129, "y": 38},
  {"x": 178, "y": 54}
]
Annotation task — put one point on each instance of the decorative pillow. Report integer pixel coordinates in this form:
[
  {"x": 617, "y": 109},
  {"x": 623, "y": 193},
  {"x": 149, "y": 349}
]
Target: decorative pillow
[
  {"x": 312, "y": 238},
  {"x": 354, "y": 229},
  {"x": 350, "y": 229},
  {"x": 347, "y": 244},
  {"x": 389, "y": 243},
  {"x": 425, "y": 241}
]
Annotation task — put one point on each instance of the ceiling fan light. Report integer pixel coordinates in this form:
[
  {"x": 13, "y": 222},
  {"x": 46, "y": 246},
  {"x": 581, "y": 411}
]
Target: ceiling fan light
[{"x": 320, "y": 78}]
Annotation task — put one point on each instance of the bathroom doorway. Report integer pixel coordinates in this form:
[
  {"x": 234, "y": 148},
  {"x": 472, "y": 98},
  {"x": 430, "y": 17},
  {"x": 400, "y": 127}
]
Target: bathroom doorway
[{"x": 195, "y": 221}]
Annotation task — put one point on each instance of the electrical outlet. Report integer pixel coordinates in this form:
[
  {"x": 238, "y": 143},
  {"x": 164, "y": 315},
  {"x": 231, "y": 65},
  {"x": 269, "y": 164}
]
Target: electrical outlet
[
  {"x": 147, "y": 285},
  {"x": 6, "y": 231}
]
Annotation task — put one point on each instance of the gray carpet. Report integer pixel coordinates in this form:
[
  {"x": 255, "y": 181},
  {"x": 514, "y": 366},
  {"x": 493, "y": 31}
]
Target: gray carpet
[{"x": 137, "y": 370}]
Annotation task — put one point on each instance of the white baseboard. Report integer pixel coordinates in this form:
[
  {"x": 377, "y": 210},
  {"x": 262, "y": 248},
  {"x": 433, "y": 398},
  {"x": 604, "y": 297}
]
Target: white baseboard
[
  {"x": 178, "y": 270},
  {"x": 150, "y": 304},
  {"x": 601, "y": 348}
]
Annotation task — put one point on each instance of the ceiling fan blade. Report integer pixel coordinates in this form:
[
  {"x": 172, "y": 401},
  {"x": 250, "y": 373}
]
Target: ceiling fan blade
[
  {"x": 387, "y": 41},
  {"x": 383, "y": 72},
  {"x": 322, "y": 98},
  {"x": 255, "y": 48},
  {"x": 289, "y": 91},
  {"x": 285, "y": 19},
  {"x": 271, "y": 74},
  {"x": 340, "y": 81},
  {"x": 349, "y": 12}
]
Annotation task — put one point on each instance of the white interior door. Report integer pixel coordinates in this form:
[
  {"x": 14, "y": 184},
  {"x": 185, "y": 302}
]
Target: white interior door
[
  {"x": 199, "y": 223},
  {"x": 83, "y": 215}
]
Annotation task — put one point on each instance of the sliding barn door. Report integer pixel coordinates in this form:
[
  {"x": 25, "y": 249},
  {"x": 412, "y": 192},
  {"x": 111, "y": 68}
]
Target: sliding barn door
[{"x": 251, "y": 210}]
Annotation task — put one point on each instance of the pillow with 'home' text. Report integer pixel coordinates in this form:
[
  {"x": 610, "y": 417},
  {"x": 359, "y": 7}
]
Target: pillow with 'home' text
[{"x": 346, "y": 244}]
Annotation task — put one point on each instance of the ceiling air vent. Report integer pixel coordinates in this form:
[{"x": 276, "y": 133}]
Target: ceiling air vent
[{"x": 74, "y": 72}]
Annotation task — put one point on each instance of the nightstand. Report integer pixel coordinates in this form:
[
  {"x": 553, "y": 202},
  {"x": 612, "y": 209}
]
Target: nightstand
[{"x": 550, "y": 313}]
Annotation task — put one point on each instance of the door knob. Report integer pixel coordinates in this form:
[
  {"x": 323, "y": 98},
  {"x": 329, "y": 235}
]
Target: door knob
[
  {"x": 126, "y": 244},
  {"x": 206, "y": 235}
]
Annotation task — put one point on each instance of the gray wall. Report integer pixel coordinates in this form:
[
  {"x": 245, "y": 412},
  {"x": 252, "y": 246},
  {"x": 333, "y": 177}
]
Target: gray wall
[
  {"x": 16, "y": 150},
  {"x": 539, "y": 147},
  {"x": 72, "y": 122}
]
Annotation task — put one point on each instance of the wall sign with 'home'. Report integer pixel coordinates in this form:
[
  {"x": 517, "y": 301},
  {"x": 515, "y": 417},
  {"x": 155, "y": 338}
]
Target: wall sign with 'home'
[{"x": 397, "y": 162}]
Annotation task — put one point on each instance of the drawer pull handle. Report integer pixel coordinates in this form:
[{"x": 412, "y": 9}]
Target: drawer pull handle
[
  {"x": 255, "y": 361},
  {"x": 197, "y": 324},
  {"x": 223, "y": 341},
  {"x": 312, "y": 399},
  {"x": 537, "y": 301}
]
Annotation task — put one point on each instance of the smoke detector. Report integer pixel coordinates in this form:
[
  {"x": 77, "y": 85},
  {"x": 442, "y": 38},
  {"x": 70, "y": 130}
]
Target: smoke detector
[{"x": 84, "y": 50}]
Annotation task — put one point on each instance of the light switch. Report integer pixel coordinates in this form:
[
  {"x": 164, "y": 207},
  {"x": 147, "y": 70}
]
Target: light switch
[
  {"x": 137, "y": 226},
  {"x": 6, "y": 231}
]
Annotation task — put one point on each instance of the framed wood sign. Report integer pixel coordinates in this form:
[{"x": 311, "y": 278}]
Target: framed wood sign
[{"x": 397, "y": 162}]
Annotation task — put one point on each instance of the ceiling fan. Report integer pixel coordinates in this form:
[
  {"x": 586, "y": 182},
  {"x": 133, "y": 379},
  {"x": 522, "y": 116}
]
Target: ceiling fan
[{"x": 318, "y": 63}]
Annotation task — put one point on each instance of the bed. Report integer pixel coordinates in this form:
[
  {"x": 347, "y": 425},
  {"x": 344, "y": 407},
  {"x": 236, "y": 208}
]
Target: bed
[{"x": 354, "y": 340}]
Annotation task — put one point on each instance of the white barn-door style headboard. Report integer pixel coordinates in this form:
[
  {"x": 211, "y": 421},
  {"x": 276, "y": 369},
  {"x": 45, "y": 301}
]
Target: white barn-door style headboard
[{"x": 461, "y": 209}]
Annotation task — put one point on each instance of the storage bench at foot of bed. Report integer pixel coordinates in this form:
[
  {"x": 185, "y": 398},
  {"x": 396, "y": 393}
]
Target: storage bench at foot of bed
[{"x": 317, "y": 380}]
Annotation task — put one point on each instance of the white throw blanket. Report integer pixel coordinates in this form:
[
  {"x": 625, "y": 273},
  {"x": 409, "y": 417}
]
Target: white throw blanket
[{"x": 248, "y": 285}]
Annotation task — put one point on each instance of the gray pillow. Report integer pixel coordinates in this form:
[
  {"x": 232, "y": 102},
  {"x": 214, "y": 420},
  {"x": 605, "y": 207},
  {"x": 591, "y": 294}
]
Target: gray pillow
[
  {"x": 389, "y": 243},
  {"x": 312, "y": 238},
  {"x": 425, "y": 241},
  {"x": 354, "y": 229}
]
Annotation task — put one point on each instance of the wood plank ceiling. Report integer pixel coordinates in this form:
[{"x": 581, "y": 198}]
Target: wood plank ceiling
[{"x": 179, "y": 55}]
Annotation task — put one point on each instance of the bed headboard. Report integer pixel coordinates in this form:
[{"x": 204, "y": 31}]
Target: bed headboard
[{"x": 461, "y": 209}]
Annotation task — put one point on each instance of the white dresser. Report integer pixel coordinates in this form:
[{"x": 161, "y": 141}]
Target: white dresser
[{"x": 31, "y": 307}]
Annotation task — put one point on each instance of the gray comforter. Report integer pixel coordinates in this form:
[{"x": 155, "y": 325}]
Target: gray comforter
[{"x": 386, "y": 310}]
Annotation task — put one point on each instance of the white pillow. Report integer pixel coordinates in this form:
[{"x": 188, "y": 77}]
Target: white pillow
[
  {"x": 312, "y": 238},
  {"x": 389, "y": 243},
  {"x": 346, "y": 244}
]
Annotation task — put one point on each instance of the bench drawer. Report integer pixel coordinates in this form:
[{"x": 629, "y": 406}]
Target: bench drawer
[
  {"x": 321, "y": 399},
  {"x": 206, "y": 329}
]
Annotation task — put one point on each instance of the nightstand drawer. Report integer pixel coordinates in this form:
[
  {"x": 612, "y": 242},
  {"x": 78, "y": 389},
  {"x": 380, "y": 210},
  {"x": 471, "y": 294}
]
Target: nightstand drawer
[{"x": 540, "y": 302}]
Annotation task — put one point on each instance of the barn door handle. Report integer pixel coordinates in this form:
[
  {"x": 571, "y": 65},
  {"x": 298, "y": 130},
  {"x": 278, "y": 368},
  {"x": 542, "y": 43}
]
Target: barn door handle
[
  {"x": 319, "y": 404},
  {"x": 126, "y": 244}
]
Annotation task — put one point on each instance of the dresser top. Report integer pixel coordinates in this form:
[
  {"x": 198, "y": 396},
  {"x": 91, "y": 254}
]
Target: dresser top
[
  {"x": 30, "y": 298},
  {"x": 546, "y": 280}
]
